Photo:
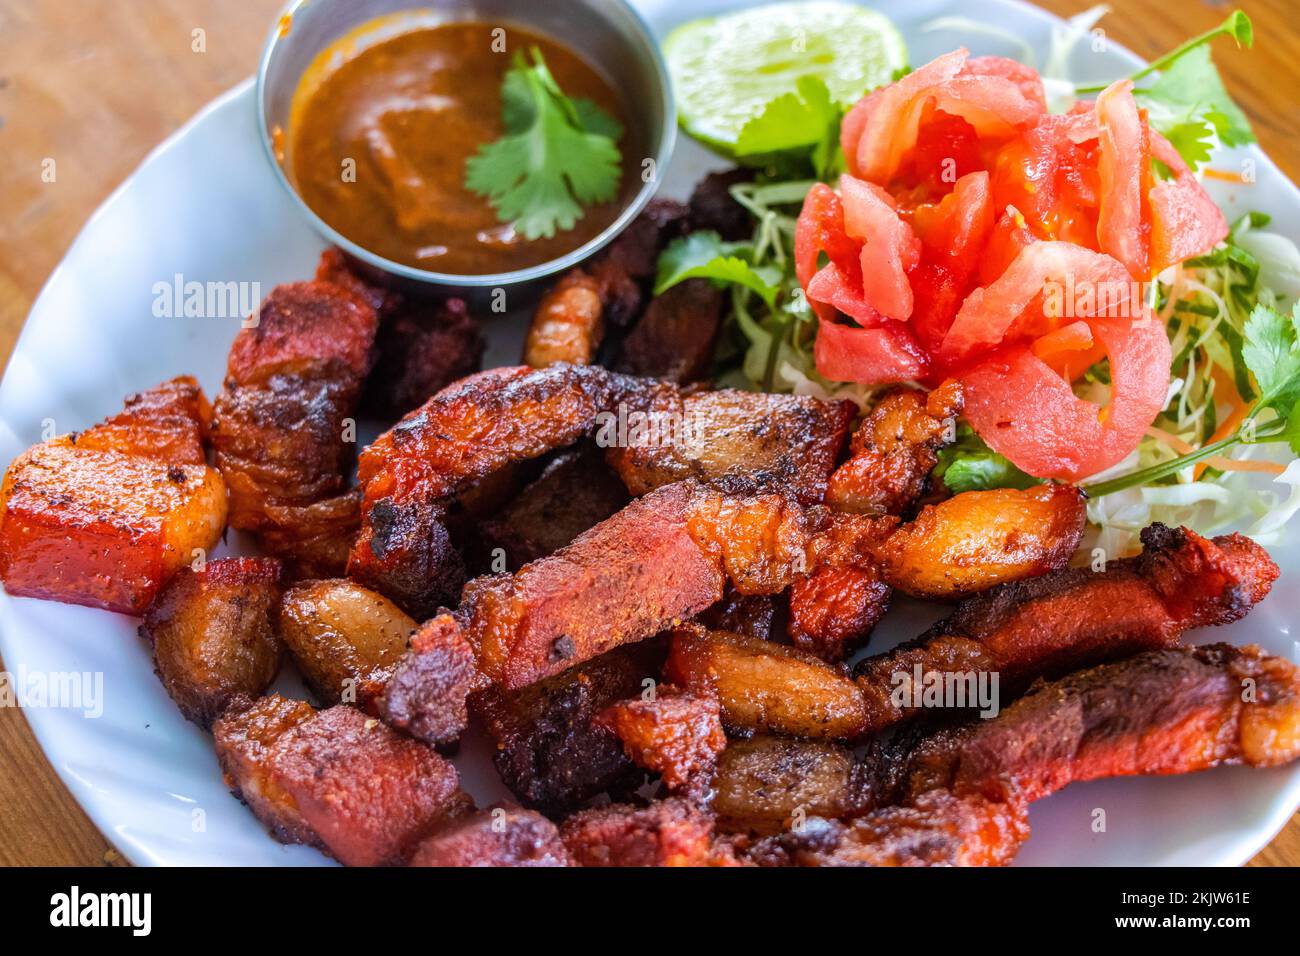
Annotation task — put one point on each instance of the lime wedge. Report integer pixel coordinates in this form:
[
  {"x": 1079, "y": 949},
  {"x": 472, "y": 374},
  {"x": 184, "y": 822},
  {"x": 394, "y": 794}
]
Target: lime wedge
[{"x": 725, "y": 69}]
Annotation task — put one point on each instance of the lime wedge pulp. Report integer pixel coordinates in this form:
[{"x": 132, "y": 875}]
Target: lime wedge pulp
[{"x": 725, "y": 69}]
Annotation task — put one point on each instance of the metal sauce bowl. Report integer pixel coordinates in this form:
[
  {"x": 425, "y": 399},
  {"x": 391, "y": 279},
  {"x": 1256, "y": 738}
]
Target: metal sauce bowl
[{"x": 610, "y": 34}]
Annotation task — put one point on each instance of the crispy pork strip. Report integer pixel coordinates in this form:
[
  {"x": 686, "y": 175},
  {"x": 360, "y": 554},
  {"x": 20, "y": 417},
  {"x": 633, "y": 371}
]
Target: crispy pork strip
[
  {"x": 662, "y": 559},
  {"x": 575, "y": 492},
  {"x": 1169, "y": 711},
  {"x": 337, "y": 780},
  {"x": 103, "y": 528},
  {"x": 979, "y": 539},
  {"x": 765, "y": 687},
  {"x": 463, "y": 434},
  {"x": 893, "y": 452},
  {"x": 672, "y": 832},
  {"x": 792, "y": 440},
  {"x": 167, "y": 423},
  {"x": 676, "y": 337},
  {"x": 211, "y": 634},
  {"x": 938, "y": 829},
  {"x": 283, "y": 427},
  {"x": 1075, "y": 617},
  {"x": 313, "y": 540},
  {"x": 766, "y": 784},
  {"x": 345, "y": 639},
  {"x": 714, "y": 209},
  {"x": 834, "y": 608},
  {"x": 498, "y": 836},
  {"x": 549, "y": 750},
  {"x": 753, "y": 615},
  {"x": 421, "y": 347},
  {"x": 674, "y": 732},
  {"x": 572, "y": 318}
]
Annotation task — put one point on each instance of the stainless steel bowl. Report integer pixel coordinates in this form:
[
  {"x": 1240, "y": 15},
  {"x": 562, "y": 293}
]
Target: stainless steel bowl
[{"x": 608, "y": 33}]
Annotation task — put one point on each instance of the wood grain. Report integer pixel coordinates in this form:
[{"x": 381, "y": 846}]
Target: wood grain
[{"x": 95, "y": 85}]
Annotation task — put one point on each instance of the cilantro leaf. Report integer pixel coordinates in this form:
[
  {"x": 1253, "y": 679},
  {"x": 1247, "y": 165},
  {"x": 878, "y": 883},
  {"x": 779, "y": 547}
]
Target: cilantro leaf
[
  {"x": 968, "y": 464},
  {"x": 703, "y": 255},
  {"x": 805, "y": 120},
  {"x": 557, "y": 155},
  {"x": 1272, "y": 352}
]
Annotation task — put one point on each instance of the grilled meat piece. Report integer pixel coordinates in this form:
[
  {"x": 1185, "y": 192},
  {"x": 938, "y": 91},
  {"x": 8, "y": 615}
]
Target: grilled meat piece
[
  {"x": 572, "y": 319},
  {"x": 754, "y": 615},
  {"x": 336, "y": 779},
  {"x": 498, "y": 836},
  {"x": 1075, "y": 617},
  {"x": 549, "y": 751},
  {"x": 1168, "y": 711},
  {"x": 672, "y": 832},
  {"x": 575, "y": 492},
  {"x": 675, "y": 733},
  {"x": 463, "y": 434},
  {"x": 766, "y": 784},
  {"x": 212, "y": 636},
  {"x": 676, "y": 337},
  {"x": 344, "y": 638},
  {"x": 105, "y": 518},
  {"x": 765, "y": 687},
  {"x": 283, "y": 427},
  {"x": 713, "y": 208},
  {"x": 789, "y": 440},
  {"x": 893, "y": 452}
]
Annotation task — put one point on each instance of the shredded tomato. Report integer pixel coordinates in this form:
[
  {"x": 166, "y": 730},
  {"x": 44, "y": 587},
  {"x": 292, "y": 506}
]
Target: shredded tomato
[{"x": 978, "y": 236}]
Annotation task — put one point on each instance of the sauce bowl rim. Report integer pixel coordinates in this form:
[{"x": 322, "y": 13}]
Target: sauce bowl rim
[{"x": 667, "y": 142}]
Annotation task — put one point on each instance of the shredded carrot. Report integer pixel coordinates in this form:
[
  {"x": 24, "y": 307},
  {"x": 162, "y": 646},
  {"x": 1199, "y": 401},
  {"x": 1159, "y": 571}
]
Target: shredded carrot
[
  {"x": 1224, "y": 385},
  {"x": 1214, "y": 461},
  {"x": 1226, "y": 175}
]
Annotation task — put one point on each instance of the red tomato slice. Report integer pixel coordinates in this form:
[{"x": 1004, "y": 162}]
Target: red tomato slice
[
  {"x": 820, "y": 228},
  {"x": 1008, "y": 237},
  {"x": 881, "y": 355},
  {"x": 952, "y": 234},
  {"x": 1185, "y": 220},
  {"x": 830, "y": 287},
  {"x": 1030, "y": 414},
  {"x": 890, "y": 247},
  {"x": 1124, "y": 167},
  {"x": 883, "y": 127},
  {"x": 947, "y": 148},
  {"x": 1078, "y": 281}
]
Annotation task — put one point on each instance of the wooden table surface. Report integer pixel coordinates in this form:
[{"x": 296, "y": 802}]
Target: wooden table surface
[{"x": 96, "y": 84}]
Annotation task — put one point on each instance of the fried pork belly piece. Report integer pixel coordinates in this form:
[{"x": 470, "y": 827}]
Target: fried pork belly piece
[
  {"x": 345, "y": 639},
  {"x": 167, "y": 423},
  {"x": 765, "y": 687},
  {"x": 337, "y": 780},
  {"x": 421, "y": 347},
  {"x": 939, "y": 829},
  {"x": 212, "y": 636},
  {"x": 313, "y": 540},
  {"x": 978, "y": 539},
  {"x": 893, "y": 452},
  {"x": 497, "y": 836},
  {"x": 100, "y": 527},
  {"x": 1170, "y": 711},
  {"x": 575, "y": 492},
  {"x": 792, "y": 440},
  {"x": 677, "y": 336},
  {"x": 713, "y": 208},
  {"x": 280, "y": 426},
  {"x": 834, "y": 608},
  {"x": 766, "y": 784},
  {"x": 662, "y": 559},
  {"x": 462, "y": 435},
  {"x": 672, "y": 832},
  {"x": 675, "y": 733},
  {"x": 1075, "y": 617},
  {"x": 572, "y": 318},
  {"x": 550, "y": 751},
  {"x": 753, "y": 615}
]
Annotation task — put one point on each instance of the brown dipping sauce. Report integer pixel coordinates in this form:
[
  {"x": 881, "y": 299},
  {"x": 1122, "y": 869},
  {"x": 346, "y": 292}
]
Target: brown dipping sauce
[{"x": 408, "y": 112}]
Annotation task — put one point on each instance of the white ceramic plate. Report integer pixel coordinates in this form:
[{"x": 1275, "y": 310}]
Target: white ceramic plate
[{"x": 205, "y": 206}]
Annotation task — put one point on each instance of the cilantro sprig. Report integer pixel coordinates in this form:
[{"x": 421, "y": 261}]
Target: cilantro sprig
[
  {"x": 796, "y": 130},
  {"x": 1271, "y": 350},
  {"x": 1188, "y": 102},
  {"x": 558, "y": 154},
  {"x": 968, "y": 464}
]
